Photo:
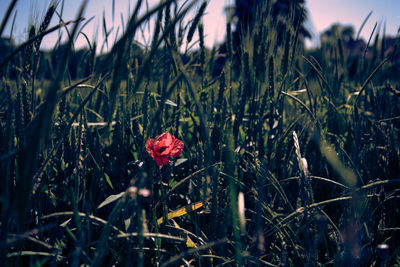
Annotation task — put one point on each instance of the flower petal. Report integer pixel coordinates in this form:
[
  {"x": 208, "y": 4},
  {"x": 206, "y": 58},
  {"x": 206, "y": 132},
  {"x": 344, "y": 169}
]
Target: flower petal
[
  {"x": 177, "y": 148},
  {"x": 161, "y": 160},
  {"x": 150, "y": 147},
  {"x": 162, "y": 145},
  {"x": 165, "y": 139}
]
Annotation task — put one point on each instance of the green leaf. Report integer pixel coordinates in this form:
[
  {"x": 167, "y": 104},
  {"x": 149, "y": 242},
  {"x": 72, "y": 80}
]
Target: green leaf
[
  {"x": 180, "y": 161},
  {"x": 111, "y": 198},
  {"x": 171, "y": 103}
]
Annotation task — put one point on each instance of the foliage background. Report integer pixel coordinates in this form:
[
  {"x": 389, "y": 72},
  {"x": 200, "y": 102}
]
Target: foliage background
[{"x": 291, "y": 156}]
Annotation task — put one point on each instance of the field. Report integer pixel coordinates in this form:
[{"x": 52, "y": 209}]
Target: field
[{"x": 256, "y": 153}]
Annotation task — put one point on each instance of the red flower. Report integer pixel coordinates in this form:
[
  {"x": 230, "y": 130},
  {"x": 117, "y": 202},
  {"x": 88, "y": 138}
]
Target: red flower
[{"x": 164, "y": 146}]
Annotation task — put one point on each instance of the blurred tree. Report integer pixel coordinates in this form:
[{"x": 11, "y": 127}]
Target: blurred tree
[
  {"x": 331, "y": 35},
  {"x": 246, "y": 13},
  {"x": 342, "y": 35}
]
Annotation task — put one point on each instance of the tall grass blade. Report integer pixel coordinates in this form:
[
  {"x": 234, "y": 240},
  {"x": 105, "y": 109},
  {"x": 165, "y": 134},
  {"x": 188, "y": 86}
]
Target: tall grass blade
[
  {"x": 7, "y": 16},
  {"x": 363, "y": 24}
]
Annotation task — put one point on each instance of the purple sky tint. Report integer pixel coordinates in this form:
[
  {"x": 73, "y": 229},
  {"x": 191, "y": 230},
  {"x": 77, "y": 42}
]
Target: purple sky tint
[
  {"x": 322, "y": 14},
  {"x": 33, "y": 11}
]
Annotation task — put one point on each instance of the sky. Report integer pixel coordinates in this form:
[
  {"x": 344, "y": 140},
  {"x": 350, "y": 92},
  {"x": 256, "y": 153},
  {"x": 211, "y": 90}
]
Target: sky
[{"x": 322, "y": 14}]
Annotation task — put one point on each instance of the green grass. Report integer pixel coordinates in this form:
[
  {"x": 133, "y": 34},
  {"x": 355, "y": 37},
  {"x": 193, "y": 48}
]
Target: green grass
[{"x": 310, "y": 138}]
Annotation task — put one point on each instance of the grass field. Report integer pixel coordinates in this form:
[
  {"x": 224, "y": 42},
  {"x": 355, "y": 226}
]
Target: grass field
[{"x": 288, "y": 156}]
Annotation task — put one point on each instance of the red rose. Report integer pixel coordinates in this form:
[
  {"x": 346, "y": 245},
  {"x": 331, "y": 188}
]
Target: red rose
[{"x": 163, "y": 147}]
